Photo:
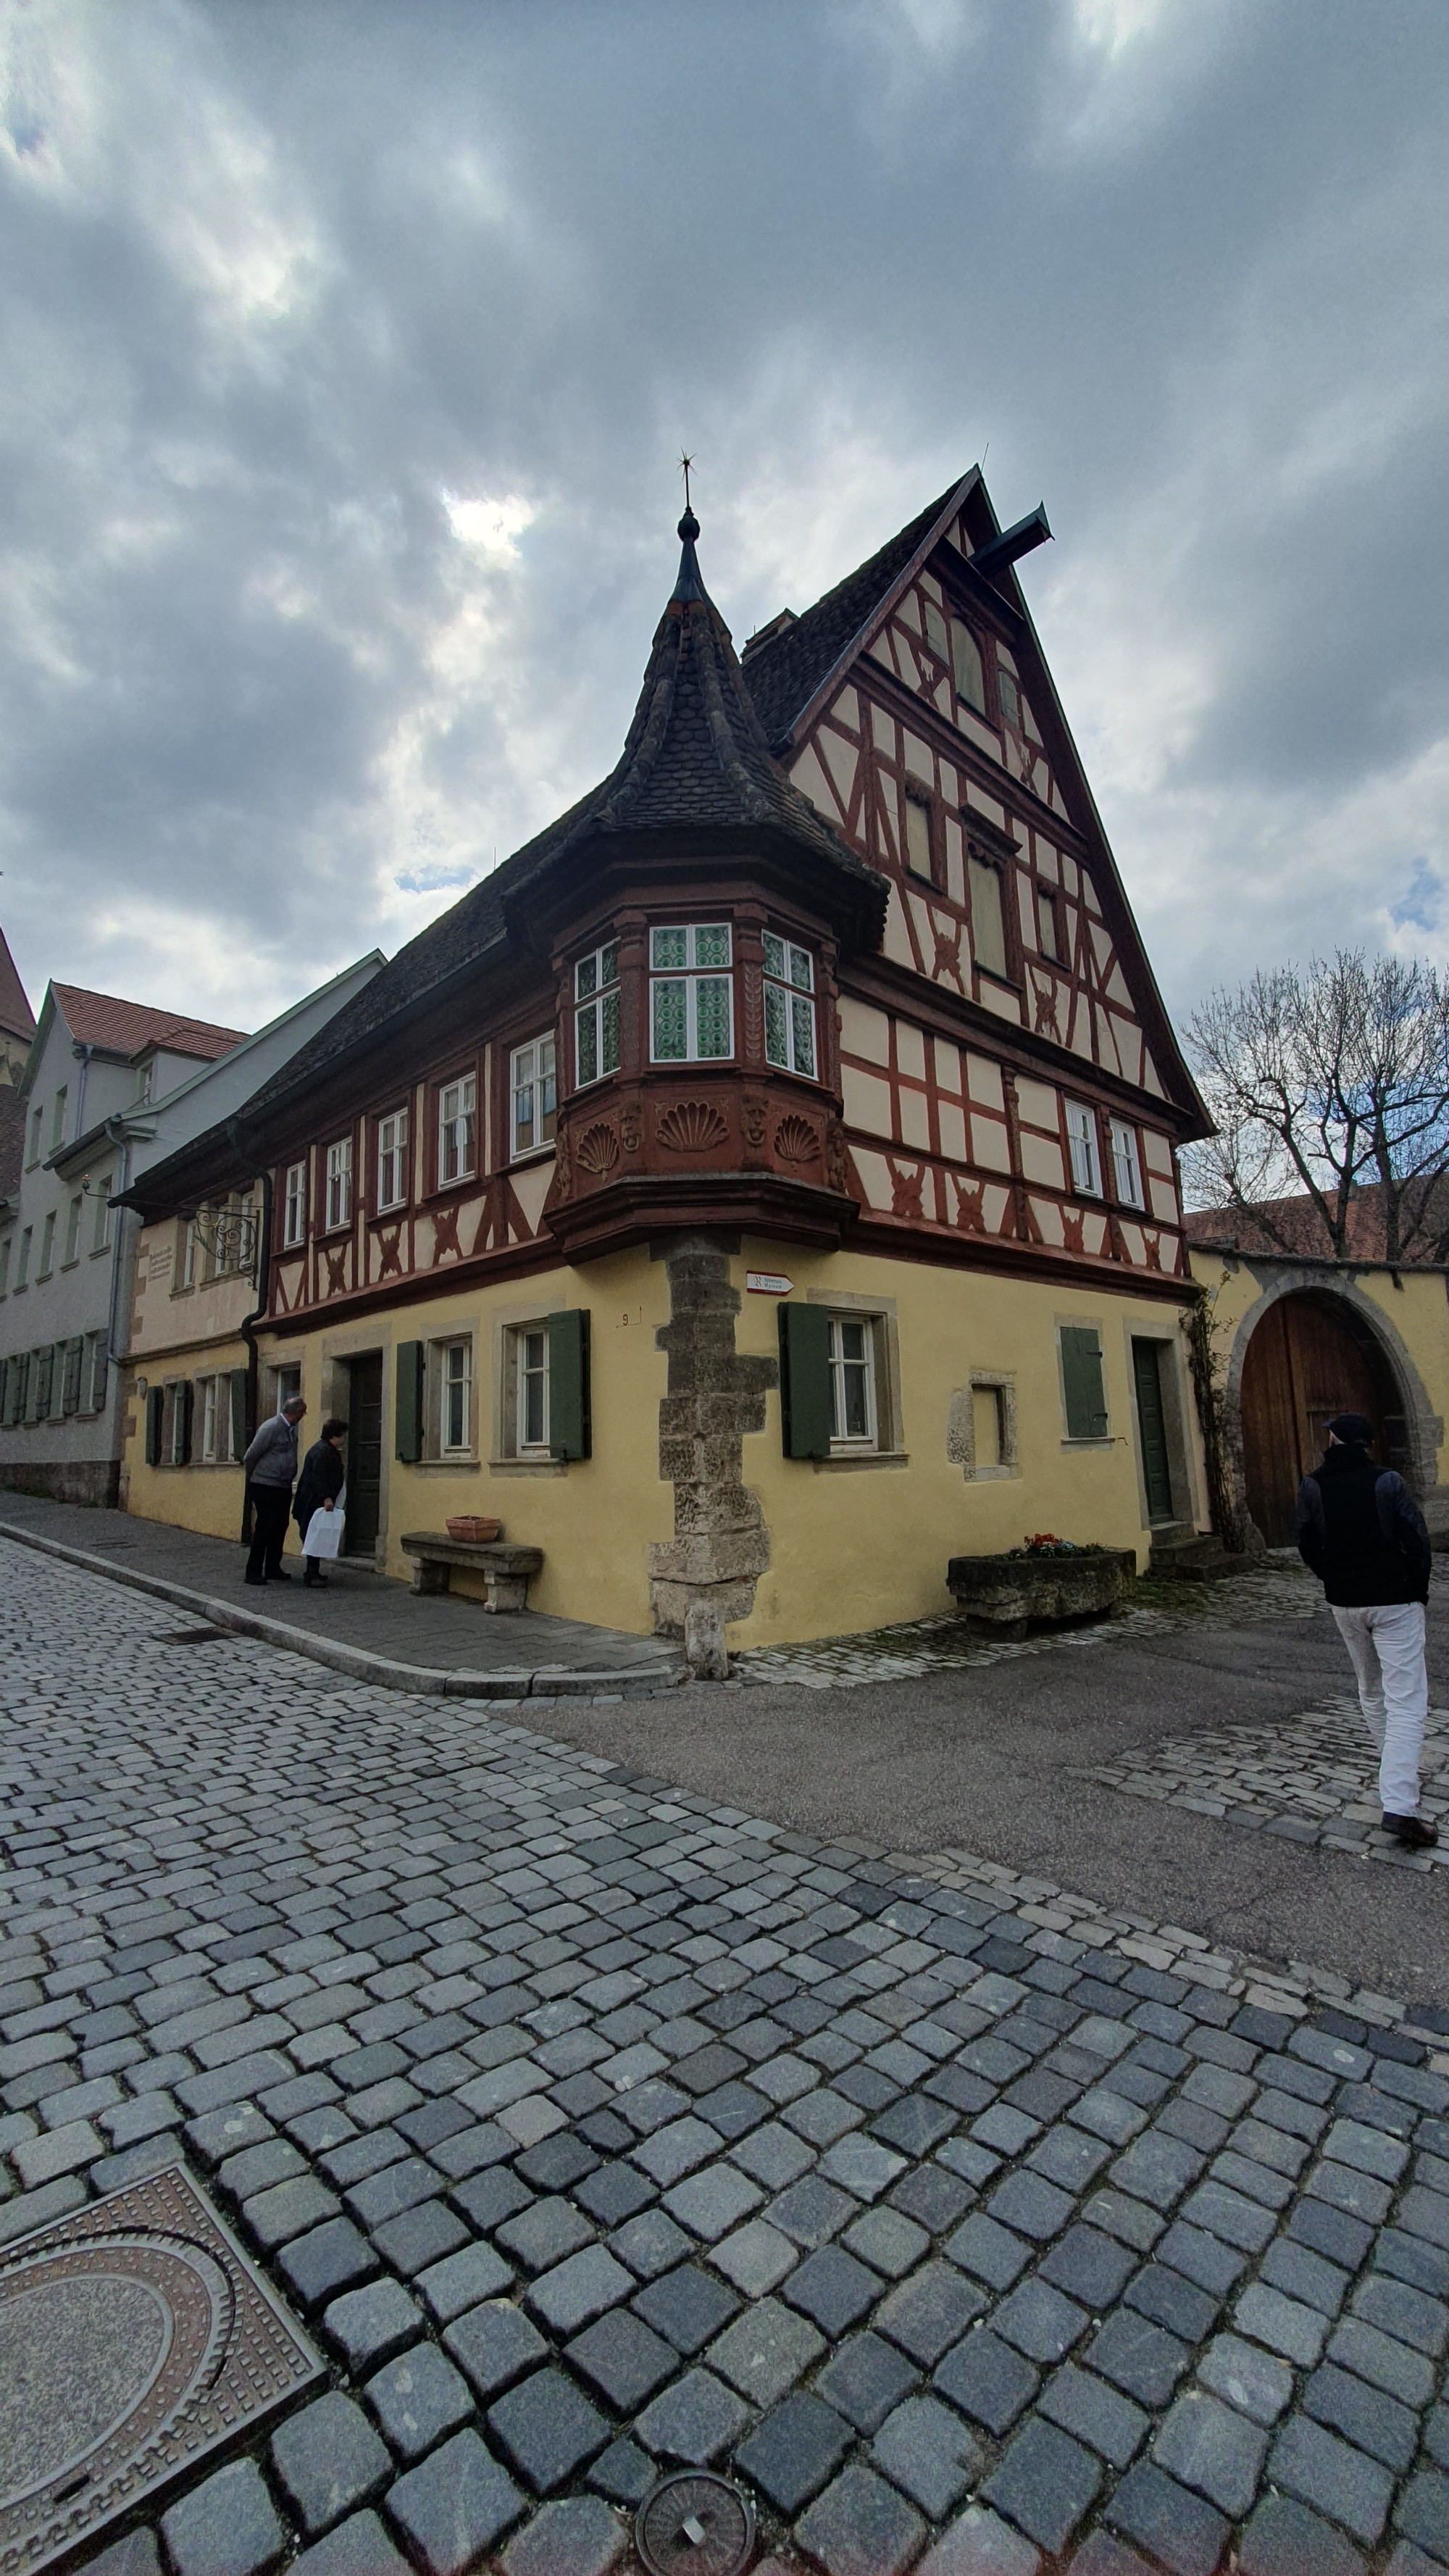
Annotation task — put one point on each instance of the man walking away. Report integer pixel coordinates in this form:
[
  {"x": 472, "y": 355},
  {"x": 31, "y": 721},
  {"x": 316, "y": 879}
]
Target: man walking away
[
  {"x": 271, "y": 1467},
  {"x": 1361, "y": 1532}
]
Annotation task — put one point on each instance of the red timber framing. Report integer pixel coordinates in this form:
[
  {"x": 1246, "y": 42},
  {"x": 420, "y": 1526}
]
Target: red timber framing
[{"x": 837, "y": 952}]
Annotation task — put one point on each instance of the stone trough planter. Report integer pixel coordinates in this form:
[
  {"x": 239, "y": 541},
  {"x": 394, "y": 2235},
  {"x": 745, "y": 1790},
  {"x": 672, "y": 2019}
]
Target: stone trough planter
[{"x": 1007, "y": 1595}]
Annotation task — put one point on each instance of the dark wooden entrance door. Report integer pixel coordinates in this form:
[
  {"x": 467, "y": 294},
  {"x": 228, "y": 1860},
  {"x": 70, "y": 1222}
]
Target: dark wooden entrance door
[
  {"x": 1309, "y": 1358},
  {"x": 1152, "y": 1430},
  {"x": 364, "y": 1454}
]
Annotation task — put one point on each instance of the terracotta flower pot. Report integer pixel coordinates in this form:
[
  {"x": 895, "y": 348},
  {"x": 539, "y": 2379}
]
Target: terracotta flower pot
[{"x": 473, "y": 1531}]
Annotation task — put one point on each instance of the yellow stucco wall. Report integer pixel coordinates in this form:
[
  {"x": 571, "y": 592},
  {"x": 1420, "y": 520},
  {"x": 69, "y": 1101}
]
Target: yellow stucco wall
[
  {"x": 194, "y": 1497},
  {"x": 1410, "y": 1309},
  {"x": 852, "y": 1547}
]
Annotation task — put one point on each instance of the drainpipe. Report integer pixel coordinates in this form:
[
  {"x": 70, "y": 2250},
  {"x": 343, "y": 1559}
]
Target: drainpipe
[
  {"x": 251, "y": 1321},
  {"x": 85, "y": 1052},
  {"x": 114, "y": 1348}
]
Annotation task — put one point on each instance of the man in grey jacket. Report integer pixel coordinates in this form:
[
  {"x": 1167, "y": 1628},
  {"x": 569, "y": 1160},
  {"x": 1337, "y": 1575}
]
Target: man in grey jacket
[{"x": 270, "y": 1466}]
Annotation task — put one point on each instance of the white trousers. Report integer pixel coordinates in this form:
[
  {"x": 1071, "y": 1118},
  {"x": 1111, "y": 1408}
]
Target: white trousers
[{"x": 1386, "y": 1643}]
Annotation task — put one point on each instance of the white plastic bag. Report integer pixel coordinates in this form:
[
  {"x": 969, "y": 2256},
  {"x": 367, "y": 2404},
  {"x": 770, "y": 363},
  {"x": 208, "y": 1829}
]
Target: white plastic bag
[{"x": 324, "y": 1529}]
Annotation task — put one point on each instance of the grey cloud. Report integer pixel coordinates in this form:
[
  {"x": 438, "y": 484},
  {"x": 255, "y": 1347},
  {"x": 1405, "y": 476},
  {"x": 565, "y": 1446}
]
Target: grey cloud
[{"x": 277, "y": 281}]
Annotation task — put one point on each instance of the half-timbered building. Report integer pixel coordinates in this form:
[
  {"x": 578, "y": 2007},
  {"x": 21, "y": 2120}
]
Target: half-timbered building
[{"x": 762, "y": 1187}]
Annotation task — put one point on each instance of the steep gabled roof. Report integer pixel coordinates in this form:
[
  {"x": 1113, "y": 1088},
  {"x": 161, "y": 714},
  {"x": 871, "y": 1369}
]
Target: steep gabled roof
[
  {"x": 129, "y": 1028},
  {"x": 787, "y": 671},
  {"x": 16, "y": 1016}
]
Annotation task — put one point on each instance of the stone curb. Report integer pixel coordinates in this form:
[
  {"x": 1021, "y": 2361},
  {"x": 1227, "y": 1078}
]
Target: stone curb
[{"x": 547, "y": 1681}]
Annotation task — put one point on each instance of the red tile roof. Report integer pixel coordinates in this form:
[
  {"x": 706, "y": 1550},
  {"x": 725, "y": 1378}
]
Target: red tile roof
[
  {"x": 16, "y": 1015},
  {"x": 129, "y": 1028}
]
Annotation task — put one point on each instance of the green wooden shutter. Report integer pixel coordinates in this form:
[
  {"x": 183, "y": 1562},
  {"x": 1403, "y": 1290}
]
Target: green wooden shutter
[
  {"x": 155, "y": 1411},
  {"x": 70, "y": 1391},
  {"x": 408, "y": 1416},
  {"x": 7, "y": 1393},
  {"x": 240, "y": 1432},
  {"x": 1082, "y": 1387},
  {"x": 570, "y": 1421},
  {"x": 805, "y": 1380}
]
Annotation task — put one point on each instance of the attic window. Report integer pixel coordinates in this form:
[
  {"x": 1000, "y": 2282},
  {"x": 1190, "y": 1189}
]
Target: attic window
[
  {"x": 936, "y": 635},
  {"x": 966, "y": 659},
  {"x": 1010, "y": 697}
]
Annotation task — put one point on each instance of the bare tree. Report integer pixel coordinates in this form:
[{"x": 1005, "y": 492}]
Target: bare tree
[{"x": 1325, "y": 1082}]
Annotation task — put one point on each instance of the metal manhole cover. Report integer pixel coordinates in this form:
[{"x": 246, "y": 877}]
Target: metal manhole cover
[
  {"x": 135, "y": 2337},
  {"x": 695, "y": 2524}
]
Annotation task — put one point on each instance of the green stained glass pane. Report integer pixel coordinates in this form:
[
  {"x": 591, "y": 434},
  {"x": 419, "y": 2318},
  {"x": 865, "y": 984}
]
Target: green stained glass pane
[
  {"x": 774, "y": 955},
  {"x": 802, "y": 971},
  {"x": 588, "y": 1046},
  {"x": 671, "y": 1023},
  {"x": 585, "y": 978},
  {"x": 712, "y": 944},
  {"x": 669, "y": 947},
  {"x": 609, "y": 1049},
  {"x": 777, "y": 1026},
  {"x": 609, "y": 963},
  {"x": 712, "y": 1015},
  {"x": 803, "y": 1014}
]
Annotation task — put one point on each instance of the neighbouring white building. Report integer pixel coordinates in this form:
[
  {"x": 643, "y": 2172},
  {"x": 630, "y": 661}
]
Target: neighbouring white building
[{"x": 109, "y": 1086}]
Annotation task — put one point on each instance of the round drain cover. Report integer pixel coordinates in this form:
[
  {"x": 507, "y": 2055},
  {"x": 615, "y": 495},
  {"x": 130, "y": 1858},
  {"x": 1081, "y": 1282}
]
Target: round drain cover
[{"x": 695, "y": 2524}]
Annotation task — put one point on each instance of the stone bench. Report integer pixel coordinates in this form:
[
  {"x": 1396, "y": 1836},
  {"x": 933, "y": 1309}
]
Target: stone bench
[{"x": 505, "y": 1568}]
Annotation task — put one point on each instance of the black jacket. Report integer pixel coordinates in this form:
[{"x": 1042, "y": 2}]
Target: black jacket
[
  {"x": 321, "y": 1481},
  {"x": 1360, "y": 1530}
]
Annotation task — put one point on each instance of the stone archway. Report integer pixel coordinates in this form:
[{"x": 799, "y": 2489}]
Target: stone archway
[{"x": 1308, "y": 1348}]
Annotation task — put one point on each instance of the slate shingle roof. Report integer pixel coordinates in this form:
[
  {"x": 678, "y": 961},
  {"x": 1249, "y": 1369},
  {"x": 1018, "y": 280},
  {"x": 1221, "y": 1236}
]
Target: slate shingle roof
[
  {"x": 695, "y": 756},
  {"x": 783, "y": 674},
  {"x": 16, "y": 1016}
]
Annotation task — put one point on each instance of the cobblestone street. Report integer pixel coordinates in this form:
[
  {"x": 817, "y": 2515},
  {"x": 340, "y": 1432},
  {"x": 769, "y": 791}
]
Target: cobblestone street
[{"x": 594, "y": 2127}]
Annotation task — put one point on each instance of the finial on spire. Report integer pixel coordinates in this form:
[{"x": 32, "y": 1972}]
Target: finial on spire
[{"x": 689, "y": 524}]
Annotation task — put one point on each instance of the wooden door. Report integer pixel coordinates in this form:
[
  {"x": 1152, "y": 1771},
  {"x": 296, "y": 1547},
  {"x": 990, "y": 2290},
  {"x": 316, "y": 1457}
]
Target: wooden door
[
  {"x": 364, "y": 1454},
  {"x": 1152, "y": 1431},
  {"x": 1304, "y": 1364}
]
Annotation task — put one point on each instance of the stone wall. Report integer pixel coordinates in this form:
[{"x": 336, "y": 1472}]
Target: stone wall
[{"x": 715, "y": 1395}]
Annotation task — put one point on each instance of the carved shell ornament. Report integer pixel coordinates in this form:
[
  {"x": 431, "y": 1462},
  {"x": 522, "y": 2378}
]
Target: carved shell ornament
[
  {"x": 598, "y": 1149},
  {"x": 796, "y": 1141},
  {"x": 691, "y": 1126}
]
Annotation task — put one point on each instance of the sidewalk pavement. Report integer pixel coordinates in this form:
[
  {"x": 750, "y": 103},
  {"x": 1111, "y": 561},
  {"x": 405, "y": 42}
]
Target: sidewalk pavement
[{"x": 365, "y": 1624}]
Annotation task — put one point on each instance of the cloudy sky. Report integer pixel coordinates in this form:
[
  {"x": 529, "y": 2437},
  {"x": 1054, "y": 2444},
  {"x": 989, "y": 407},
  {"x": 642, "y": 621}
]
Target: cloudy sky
[{"x": 349, "y": 351}]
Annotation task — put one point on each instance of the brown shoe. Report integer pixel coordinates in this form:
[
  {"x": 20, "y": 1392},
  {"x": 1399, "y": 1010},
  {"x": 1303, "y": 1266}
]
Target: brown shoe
[{"x": 1412, "y": 1832}]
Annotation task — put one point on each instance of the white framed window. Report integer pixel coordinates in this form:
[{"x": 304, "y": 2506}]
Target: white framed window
[
  {"x": 1083, "y": 1148},
  {"x": 180, "y": 1424},
  {"x": 988, "y": 917},
  {"x": 789, "y": 1006},
  {"x": 392, "y": 1159},
  {"x": 57, "y": 1121},
  {"x": 47, "y": 1246},
  {"x": 853, "y": 1416},
  {"x": 691, "y": 994},
  {"x": 189, "y": 1250},
  {"x": 530, "y": 1362},
  {"x": 37, "y": 1123},
  {"x": 294, "y": 1206},
  {"x": 918, "y": 837},
  {"x": 339, "y": 1183},
  {"x": 73, "y": 1227},
  {"x": 213, "y": 1397},
  {"x": 457, "y": 1129},
  {"x": 596, "y": 1014},
  {"x": 1009, "y": 696},
  {"x": 455, "y": 1408},
  {"x": 22, "y": 1266},
  {"x": 1049, "y": 925},
  {"x": 286, "y": 1382},
  {"x": 144, "y": 1083},
  {"x": 1126, "y": 1166},
  {"x": 101, "y": 1231},
  {"x": 936, "y": 635},
  {"x": 533, "y": 1091}
]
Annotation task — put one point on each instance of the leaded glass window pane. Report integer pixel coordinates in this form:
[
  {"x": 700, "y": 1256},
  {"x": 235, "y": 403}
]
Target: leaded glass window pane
[
  {"x": 777, "y": 1027},
  {"x": 586, "y": 977},
  {"x": 712, "y": 945},
  {"x": 774, "y": 955},
  {"x": 669, "y": 947},
  {"x": 588, "y": 1046},
  {"x": 671, "y": 1021},
  {"x": 803, "y": 1016},
  {"x": 802, "y": 969},
  {"x": 712, "y": 1015},
  {"x": 609, "y": 1051}
]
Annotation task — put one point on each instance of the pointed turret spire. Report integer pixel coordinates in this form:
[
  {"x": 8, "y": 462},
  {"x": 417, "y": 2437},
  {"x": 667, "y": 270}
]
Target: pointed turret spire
[{"x": 689, "y": 585}]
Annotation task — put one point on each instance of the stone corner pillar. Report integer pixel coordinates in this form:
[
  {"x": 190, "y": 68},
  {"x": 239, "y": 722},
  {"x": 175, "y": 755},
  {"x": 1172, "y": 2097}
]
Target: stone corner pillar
[{"x": 715, "y": 1395}]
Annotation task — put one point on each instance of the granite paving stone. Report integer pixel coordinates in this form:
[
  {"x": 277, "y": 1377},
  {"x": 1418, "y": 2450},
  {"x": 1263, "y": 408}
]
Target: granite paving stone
[
  {"x": 695, "y": 2419},
  {"x": 1285, "y": 2539},
  {"x": 987, "y": 2380},
  {"x": 1178, "y": 2529},
  {"x": 357, "y": 2547},
  {"x": 494, "y": 2344},
  {"x": 793, "y": 2450},
  {"x": 418, "y": 2398},
  {"x": 1096, "y": 2414},
  {"x": 1323, "y": 2471},
  {"x": 454, "y": 2505},
  {"x": 925, "y": 2449},
  {"x": 547, "y": 2427},
  {"x": 329, "y": 2459},
  {"x": 765, "y": 2351},
  {"x": 861, "y": 2526},
  {"x": 226, "y": 2527},
  {"x": 1045, "y": 2483},
  {"x": 865, "y": 2378}
]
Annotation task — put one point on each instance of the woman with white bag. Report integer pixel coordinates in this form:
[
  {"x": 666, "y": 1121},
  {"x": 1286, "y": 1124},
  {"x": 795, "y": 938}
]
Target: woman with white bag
[{"x": 318, "y": 1504}]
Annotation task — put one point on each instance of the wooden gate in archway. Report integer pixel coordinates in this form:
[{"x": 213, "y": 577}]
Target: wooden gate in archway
[{"x": 1310, "y": 1357}]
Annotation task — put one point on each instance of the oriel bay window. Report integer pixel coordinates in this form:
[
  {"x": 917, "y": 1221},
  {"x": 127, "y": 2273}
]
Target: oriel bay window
[
  {"x": 691, "y": 997},
  {"x": 789, "y": 1006},
  {"x": 533, "y": 1091},
  {"x": 392, "y": 1159},
  {"x": 457, "y": 1130},
  {"x": 339, "y": 1183},
  {"x": 596, "y": 1014}
]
